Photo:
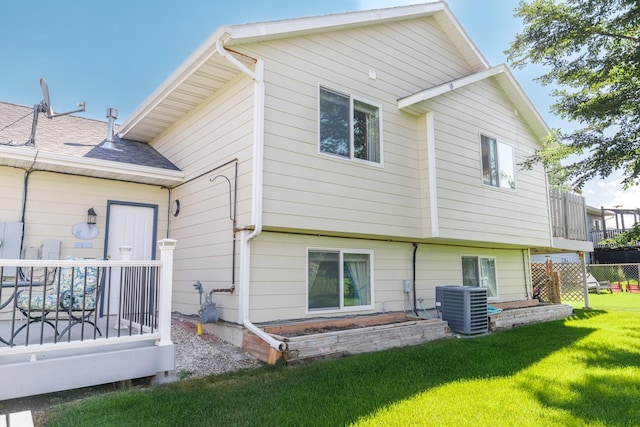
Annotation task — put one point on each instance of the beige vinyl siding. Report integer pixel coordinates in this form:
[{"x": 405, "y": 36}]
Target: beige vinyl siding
[
  {"x": 11, "y": 185},
  {"x": 205, "y": 245},
  {"x": 56, "y": 202},
  {"x": 468, "y": 209},
  {"x": 279, "y": 273},
  {"x": 442, "y": 265},
  {"x": 307, "y": 190},
  {"x": 218, "y": 131}
]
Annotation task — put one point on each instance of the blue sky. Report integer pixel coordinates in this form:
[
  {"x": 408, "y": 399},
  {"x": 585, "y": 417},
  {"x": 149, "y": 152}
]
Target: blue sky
[{"x": 116, "y": 53}]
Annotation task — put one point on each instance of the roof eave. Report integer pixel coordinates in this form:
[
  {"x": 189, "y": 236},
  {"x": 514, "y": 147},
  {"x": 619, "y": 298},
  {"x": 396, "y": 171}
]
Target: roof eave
[
  {"x": 200, "y": 56},
  {"x": 26, "y": 159},
  {"x": 248, "y": 33},
  {"x": 512, "y": 89}
]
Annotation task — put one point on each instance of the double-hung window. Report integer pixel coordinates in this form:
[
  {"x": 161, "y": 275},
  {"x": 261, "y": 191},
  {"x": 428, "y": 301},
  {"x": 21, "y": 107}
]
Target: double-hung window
[
  {"x": 498, "y": 168},
  {"x": 339, "y": 279},
  {"x": 480, "y": 271},
  {"x": 349, "y": 127}
]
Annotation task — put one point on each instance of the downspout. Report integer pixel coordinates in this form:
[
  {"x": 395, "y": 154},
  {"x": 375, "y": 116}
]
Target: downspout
[
  {"x": 257, "y": 181},
  {"x": 415, "y": 249}
]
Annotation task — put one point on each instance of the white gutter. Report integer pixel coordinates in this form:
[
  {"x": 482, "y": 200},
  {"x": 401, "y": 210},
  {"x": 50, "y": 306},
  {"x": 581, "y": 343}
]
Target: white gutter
[
  {"x": 256, "y": 200},
  {"x": 53, "y": 162}
]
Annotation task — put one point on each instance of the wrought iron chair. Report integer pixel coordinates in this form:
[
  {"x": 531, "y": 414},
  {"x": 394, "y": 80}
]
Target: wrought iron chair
[{"x": 74, "y": 291}]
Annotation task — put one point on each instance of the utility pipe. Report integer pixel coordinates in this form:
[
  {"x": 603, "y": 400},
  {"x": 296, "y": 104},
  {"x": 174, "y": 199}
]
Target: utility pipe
[
  {"x": 257, "y": 180},
  {"x": 526, "y": 256}
]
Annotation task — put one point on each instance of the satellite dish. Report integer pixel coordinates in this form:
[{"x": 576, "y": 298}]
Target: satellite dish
[
  {"x": 45, "y": 107},
  {"x": 46, "y": 102}
]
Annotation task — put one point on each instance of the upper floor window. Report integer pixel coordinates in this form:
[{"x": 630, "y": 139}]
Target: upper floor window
[
  {"x": 498, "y": 167},
  {"x": 349, "y": 127}
]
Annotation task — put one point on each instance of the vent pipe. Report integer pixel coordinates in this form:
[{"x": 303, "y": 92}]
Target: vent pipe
[{"x": 112, "y": 115}]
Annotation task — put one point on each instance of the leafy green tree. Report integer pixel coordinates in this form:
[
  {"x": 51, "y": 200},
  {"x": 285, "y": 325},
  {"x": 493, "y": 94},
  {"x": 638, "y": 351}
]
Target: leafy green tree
[
  {"x": 590, "y": 50},
  {"x": 630, "y": 237}
]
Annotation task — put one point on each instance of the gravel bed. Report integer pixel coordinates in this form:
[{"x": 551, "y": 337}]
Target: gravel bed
[{"x": 206, "y": 354}]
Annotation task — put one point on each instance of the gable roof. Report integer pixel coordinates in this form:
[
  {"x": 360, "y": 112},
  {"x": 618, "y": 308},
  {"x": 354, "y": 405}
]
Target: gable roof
[
  {"x": 415, "y": 103},
  {"x": 71, "y": 144},
  {"x": 206, "y": 71}
]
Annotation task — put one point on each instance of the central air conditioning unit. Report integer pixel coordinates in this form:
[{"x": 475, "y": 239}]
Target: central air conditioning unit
[{"x": 464, "y": 308}]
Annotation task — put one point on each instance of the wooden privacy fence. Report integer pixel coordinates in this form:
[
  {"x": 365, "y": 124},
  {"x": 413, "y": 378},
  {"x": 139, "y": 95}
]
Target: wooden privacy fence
[{"x": 568, "y": 215}]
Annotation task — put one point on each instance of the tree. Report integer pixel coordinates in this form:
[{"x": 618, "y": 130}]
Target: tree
[
  {"x": 628, "y": 238},
  {"x": 591, "y": 49}
]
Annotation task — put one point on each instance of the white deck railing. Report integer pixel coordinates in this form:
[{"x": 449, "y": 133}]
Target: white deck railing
[{"x": 61, "y": 309}]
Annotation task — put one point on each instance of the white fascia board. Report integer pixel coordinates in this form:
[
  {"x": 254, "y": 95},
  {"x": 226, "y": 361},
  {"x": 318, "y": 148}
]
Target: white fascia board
[
  {"x": 513, "y": 90},
  {"x": 450, "y": 86},
  {"x": 191, "y": 65},
  {"x": 289, "y": 27},
  {"x": 572, "y": 245},
  {"x": 478, "y": 58},
  {"x": 90, "y": 164},
  {"x": 524, "y": 99}
]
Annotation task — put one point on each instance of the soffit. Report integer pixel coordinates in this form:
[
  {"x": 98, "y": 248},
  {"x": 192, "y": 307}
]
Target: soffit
[
  {"x": 206, "y": 71},
  {"x": 190, "y": 85}
]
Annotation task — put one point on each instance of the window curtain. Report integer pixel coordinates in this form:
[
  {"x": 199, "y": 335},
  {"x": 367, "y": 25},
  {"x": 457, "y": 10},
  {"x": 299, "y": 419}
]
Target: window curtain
[
  {"x": 488, "y": 276},
  {"x": 489, "y": 161},
  {"x": 372, "y": 137},
  {"x": 357, "y": 269},
  {"x": 366, "y": 126}
]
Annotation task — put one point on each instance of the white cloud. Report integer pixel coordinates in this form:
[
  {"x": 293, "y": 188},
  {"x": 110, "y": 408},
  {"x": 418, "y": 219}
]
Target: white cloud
[{"x": 610, "y": 193}]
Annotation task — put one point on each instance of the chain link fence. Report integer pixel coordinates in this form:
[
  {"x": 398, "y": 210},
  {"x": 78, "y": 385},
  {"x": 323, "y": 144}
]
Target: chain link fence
[
  {"x": 562, "y": 282},
  {"x": 622, "y": 274}
]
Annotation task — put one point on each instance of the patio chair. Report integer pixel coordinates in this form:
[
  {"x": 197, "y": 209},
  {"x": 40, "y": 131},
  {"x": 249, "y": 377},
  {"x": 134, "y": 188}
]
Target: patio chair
[
  {"x": 74, "y": 291},
  {"x": 596, "y": 286},
  {"x": 616, "y": 287}
]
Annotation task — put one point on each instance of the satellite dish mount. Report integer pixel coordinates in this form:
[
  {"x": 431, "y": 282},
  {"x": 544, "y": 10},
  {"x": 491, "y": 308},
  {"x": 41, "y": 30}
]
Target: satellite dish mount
[{"x": 45, "y": 107}]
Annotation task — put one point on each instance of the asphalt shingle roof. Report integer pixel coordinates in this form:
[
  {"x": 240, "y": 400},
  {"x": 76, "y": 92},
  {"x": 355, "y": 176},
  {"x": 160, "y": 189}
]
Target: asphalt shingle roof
[{"x": 74, "y": 136}]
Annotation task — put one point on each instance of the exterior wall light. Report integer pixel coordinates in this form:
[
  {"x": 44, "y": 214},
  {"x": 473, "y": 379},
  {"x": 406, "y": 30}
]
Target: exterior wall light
[{"x": 91, "y": 216}]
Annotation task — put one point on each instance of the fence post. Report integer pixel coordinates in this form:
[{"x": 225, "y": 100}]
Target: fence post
[
  {"x": 166, "y": 283},
  {"x": 585, "y": 288}
]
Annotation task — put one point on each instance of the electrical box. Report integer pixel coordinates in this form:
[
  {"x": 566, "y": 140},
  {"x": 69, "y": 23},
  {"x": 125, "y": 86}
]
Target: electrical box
[
  {"x": 30, "y": 252},
  {"x": 10, "y": 242},
  {"x": 464, "y": 308},
  {"x": 406, "y": 285},
  {"x": 50, "y": 249}
]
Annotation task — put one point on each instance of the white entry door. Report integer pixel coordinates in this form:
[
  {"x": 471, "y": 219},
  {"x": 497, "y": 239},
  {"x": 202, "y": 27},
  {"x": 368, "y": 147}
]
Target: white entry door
[{"x": 132, "y": 225}]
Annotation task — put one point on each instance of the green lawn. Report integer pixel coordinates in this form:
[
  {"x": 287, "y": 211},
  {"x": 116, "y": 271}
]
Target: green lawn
[{"x": 584, "y": 371}]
